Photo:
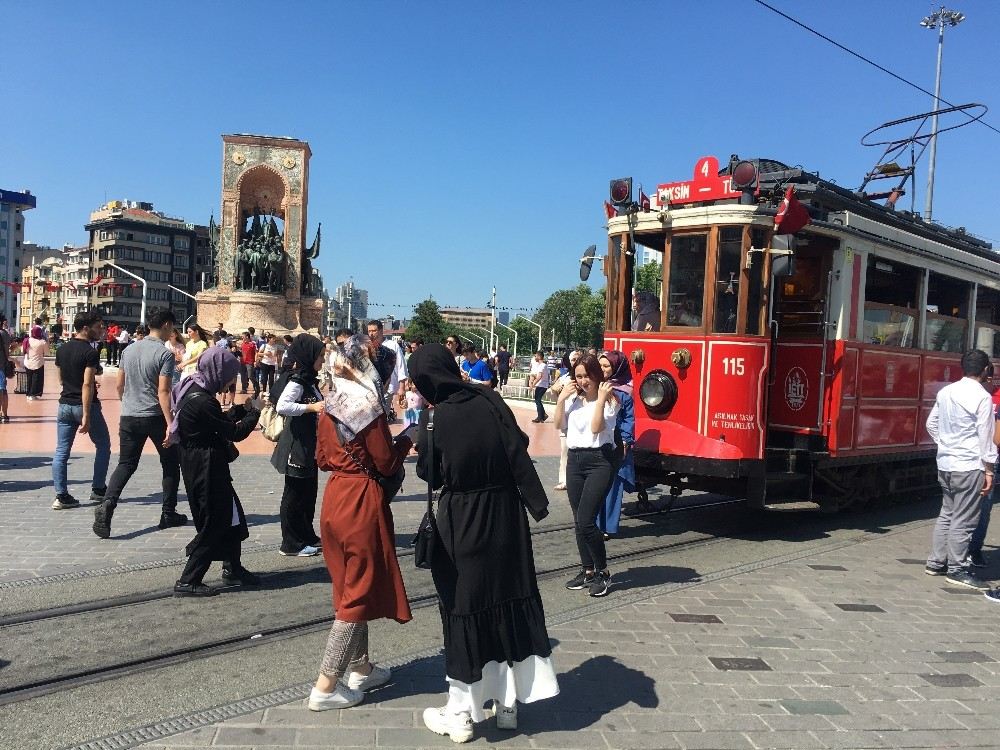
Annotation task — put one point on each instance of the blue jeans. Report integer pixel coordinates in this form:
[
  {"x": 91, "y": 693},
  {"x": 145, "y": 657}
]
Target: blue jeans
[
  {"x": 979, "y": 535},
  {"x": 68, "y": 421},
  {"x": 539, "y": 393}
]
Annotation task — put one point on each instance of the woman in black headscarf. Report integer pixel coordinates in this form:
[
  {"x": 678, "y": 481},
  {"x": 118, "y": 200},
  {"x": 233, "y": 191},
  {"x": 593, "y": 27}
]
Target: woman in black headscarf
[
  {"x": 495, "y": 641},
  {"x": 297, "y": 398}
]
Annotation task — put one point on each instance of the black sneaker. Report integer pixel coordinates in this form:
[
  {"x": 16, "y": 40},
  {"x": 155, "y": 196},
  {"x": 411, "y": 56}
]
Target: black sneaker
[
  {"x": 102, "y": 519},
  {"x": 976, "y": 559},
  {"x": 936, "y": 570},
  {"x": 241, "y": 577},
  {"x": 97, "y": 494},
  {"x": 170, "y": 518},
  {"x": 63, "y": 502},
  {"x": 601, "y": 584},
  {"x": 193, "y": 589},
  {"x": 581, "y": 580},
  {"x": 965, "y": 578}
]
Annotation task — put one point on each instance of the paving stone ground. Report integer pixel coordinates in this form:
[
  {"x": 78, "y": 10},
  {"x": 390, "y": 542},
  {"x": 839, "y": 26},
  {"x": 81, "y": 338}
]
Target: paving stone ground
[{"x": 850, "y": 648}]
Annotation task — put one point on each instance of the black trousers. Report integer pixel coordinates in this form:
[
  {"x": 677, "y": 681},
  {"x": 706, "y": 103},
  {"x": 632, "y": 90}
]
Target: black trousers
[
  {"x": 110, "y": 352},
  {"x": 200, "y": 560},
  {"x": 267, "y": 377},
  {"x": 247, "y": 375},
  {"x": 132, "y": 435},
  {"x": 502, "y": 378},
  {"x": 298, "y": 509},
  {"x": 36, "y": 381},
  {"x": 589, "y": 472}
]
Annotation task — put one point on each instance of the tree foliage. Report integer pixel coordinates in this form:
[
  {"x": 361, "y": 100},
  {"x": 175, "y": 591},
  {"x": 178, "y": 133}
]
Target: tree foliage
[
  {"x": 427, "y": 323},
  {"x": 576, "y": 315},
  {"x": 649, "y": 277}
]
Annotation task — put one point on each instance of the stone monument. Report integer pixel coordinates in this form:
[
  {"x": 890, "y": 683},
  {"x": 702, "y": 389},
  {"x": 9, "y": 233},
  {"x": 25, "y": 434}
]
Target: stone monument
[{"x": 263, "y": 271}]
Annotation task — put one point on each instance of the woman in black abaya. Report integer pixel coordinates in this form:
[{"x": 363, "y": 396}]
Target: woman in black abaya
[
  {"x": 495, "y": 641},
  {"x": 206, "y": 437}
]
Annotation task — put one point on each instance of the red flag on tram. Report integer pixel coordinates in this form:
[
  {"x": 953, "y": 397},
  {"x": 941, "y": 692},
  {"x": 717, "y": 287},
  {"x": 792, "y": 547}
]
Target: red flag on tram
[
  {"x": 643, "y": 201},
  {"x": 609, "y": 210},
  {"x": 792, "y": 215}
]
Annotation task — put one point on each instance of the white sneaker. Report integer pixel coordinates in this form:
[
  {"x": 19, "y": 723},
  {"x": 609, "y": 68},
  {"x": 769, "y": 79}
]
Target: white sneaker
[
  {"x": 457, "y": 726},
  {"x": 342, "y": 697},
  {"x": 506, "y": 717},
  {"x": 378, "y": 676}
]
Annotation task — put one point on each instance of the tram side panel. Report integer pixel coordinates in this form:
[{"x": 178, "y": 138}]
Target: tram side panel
[{"x": 713, "y": 437}]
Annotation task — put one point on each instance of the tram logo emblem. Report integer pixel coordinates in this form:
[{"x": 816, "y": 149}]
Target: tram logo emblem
[{"x": 796, "y": 388}]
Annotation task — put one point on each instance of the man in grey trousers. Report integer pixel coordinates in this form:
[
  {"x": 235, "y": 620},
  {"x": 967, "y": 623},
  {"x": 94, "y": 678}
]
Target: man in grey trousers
[{"x": 961, "y": 423}]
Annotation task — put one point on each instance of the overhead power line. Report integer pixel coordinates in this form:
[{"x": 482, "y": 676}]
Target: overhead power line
[{"x": 861, "y": 57}]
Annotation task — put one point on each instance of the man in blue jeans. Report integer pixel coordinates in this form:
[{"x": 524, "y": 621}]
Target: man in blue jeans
[{"x": 80, "y": 409}]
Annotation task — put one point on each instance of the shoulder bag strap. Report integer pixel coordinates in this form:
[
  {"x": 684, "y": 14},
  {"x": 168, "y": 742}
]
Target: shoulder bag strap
[{"x": 431, "y": 462}]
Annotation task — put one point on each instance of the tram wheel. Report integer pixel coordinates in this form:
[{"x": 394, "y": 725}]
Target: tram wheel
[{"x": 642, "y": 504}]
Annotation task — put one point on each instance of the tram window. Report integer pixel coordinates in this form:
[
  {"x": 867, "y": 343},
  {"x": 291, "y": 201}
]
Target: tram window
[
  {"x": 891, "y": 293},
  {"x": 947, "y": 313},
  {"x": 727, "y": 279},
  {"x": 755, "y": 281},
  {"x": 687, "y": 279},
  {"x": 988, "y": 320}
]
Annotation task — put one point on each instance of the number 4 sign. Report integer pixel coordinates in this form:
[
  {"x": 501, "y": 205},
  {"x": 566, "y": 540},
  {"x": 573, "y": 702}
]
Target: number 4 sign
[{"x": 707, "y": 185}]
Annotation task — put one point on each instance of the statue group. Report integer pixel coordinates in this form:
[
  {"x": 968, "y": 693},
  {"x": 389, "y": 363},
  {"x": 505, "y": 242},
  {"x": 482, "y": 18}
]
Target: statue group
[{"x": 261, "y": 257}]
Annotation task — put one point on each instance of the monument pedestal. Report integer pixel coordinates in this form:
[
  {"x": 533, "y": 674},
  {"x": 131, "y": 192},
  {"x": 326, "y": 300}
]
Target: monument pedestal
[{"x": 239, "y": 310}]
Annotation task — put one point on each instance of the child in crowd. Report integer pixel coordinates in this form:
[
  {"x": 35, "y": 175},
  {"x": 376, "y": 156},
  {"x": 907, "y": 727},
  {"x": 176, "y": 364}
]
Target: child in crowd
[{"x": 415, "y": 404}]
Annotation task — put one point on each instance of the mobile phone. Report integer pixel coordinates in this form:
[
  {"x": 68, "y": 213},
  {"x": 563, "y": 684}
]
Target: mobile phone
[{"x": 407, "y": 432}]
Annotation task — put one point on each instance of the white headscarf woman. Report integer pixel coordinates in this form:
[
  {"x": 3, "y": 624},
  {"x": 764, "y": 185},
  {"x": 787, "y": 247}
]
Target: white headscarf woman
[{"x": 356, "y": 396}]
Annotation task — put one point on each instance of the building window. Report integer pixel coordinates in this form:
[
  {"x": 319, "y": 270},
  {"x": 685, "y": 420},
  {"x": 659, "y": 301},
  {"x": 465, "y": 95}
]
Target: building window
[
  {"x": 892, "y": 291},
  {"x": 182, "y": 243},
  {"x": 180, "y": 279},
  {"x": 181, "y": 261}
]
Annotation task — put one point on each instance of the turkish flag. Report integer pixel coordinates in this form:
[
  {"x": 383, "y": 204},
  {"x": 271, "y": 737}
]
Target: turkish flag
[
  {"x": 609, "y": 210},
  {"x": 643, "y": 201},
  {"x": 95, "y": 281},
  {"x": 792, "y": 215}
]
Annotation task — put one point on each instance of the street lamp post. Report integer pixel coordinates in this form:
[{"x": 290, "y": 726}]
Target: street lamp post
[
  {"x": 937, "y": 21},
  {"x": 536, "y": 325},
  {"x": 186, "y": 294},
  {"x": 482, "y": 341},
  {"x": 142, "y": 308},
  {"x": 514, "y": 331}
]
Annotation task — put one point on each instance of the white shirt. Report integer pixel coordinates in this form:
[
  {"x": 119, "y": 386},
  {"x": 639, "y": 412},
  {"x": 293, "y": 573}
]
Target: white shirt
[
  {"x": 576, "y": 423},
  {"x": 399, "y": 371},
  {"x": 124, "y": 337},
  {"x": 962, "y": 424},
  {"x": 543, "y": 369},
  {"x": 288, "y": 404}
]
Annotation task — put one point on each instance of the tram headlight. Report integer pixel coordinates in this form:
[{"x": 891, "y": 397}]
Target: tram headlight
[
  {"x": 621, "y": 192},
  {"x": 658, "y": 392}
]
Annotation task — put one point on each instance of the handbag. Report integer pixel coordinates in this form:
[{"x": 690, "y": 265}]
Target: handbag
[
  {"x": 272, "y": 424},
  {"x": 427, "y": 540}
]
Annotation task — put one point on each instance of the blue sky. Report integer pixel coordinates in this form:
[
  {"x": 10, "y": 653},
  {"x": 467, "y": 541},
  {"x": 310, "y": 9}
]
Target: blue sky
[{"x": 461, "y": 145}]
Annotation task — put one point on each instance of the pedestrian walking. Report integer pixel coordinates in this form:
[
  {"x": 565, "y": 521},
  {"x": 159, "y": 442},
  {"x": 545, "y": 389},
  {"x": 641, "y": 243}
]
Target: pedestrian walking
[
  {"x": 176, "y": 345},
  {"x": 297, "y": 398},
  {"x": 205, "y": 438},
  {"x": 976, "y": 558},
  {"x": 390, "y": 365},
  {"x": 569, "y": 361},
  {"x": 539, "y": 379},
  {"x": 474, "y": 369},
  {"x": 248, "y": 358},
  {"x": 495, "y": 642},
  {"x": 80, "y": 410},
  {"x": 587, "y": 411},
  {"x": 616, "y": 370},
  {"x": 197, "y": 343},
  {"x": 145, "y": 379},
  {"x": 415, "y": 405},
  {"x": 124, "y": 338},
  {"x": 6, "y": 366},
  {"x": 359, "y": 546},
  {"x": 961, "y": 423},
  {"x": 454, "y": 346},
  {"x": 268, "y": 364},
  {"x": 111, "y": 344},
  {"x": 503, "y": 365},
  {"x": 35, "y": 348}
]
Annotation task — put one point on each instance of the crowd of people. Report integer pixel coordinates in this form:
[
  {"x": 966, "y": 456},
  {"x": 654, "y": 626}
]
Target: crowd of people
[{"x": 336, "y": 398}]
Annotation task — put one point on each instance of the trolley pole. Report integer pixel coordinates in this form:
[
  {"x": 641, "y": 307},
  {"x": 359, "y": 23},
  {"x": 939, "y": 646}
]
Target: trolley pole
[{"x": 937, "y": 21}]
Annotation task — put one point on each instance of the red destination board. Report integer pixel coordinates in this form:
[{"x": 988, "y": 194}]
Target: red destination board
[{"x": 707, "y": 185}]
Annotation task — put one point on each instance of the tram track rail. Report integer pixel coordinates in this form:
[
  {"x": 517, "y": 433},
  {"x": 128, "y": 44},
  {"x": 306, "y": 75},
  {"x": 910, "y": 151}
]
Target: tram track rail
[{"x": 37, "y": 688}]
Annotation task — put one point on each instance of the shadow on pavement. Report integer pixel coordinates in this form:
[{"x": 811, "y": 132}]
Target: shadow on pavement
[
  {"x": 25, "y": 462},
  {"x": 636, "y": 578}
]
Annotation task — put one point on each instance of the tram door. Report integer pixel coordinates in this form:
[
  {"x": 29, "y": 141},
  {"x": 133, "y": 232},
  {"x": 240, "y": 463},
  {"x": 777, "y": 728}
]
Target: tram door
[{"x": 799, "y": 312}]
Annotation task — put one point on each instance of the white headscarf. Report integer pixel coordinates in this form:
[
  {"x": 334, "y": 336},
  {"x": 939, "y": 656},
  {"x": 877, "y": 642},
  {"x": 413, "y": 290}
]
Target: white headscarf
[{"x": 355, "y": 399}]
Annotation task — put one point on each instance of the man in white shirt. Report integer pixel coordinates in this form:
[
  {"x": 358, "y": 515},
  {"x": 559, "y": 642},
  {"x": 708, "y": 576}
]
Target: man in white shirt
[
  {"x": 389, "y": 363},
  {"x": 961, "y": 424}
]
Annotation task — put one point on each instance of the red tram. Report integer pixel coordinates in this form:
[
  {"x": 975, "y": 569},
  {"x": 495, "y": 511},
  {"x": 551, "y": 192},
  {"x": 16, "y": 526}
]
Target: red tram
[{"x": 791, "y": 367}]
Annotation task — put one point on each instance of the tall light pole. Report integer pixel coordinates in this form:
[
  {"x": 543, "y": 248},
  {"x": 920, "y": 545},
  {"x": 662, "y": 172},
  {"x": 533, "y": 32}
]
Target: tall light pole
[
  {"x": 937, "y": 20},
  {"x": 493, "y": 317},
  {"x": 142, "y": 308},
  {"x": 514, "y": 331},
  {"x": 536, "y": 325}
]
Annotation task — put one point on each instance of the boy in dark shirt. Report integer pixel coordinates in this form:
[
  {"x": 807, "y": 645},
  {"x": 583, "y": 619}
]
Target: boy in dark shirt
[{"x": 80, "y": 409}]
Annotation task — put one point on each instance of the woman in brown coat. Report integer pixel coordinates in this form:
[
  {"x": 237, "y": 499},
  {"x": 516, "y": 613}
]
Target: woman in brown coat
[{"x": 354, "y": 445}]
